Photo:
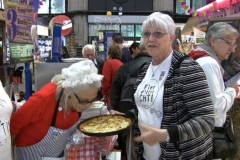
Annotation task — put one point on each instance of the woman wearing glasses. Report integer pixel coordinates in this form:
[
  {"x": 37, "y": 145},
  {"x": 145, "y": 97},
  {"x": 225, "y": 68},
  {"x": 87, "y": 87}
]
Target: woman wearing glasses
[
  {"x": 174, "y": 112},
  {"x": 41, "y": 127},
  {"x": 219, "y": 43}
]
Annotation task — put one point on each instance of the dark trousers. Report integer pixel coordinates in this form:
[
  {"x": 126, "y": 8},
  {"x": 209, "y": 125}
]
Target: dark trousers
[{"x": 122, "y": 138}]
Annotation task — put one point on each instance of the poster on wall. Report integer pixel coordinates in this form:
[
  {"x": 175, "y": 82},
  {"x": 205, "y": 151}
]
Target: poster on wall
[{"x": 21, "y": 19}]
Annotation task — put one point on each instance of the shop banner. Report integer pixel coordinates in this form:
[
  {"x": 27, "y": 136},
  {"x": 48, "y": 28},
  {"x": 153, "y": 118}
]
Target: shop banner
[
  {"x": 20, "y": 18},
  {"x": 218, "y": 9}
]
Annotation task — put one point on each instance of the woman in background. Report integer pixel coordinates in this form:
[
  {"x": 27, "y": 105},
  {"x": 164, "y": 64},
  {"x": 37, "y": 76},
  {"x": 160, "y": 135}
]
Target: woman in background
[
  {"x": 65, "y": 52},
  {"x": 219, "y": 43},
  {"x": 109, "y": 71}
]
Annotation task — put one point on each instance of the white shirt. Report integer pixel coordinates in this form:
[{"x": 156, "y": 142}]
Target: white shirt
[
  {"x": 222, "y": 98},
  {"x": 149, "y": 101},
  {"x": 5, "y": 113}
]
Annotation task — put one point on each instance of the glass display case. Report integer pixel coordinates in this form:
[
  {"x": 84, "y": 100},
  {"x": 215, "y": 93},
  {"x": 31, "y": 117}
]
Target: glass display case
[{"x": 45, "y": 45}]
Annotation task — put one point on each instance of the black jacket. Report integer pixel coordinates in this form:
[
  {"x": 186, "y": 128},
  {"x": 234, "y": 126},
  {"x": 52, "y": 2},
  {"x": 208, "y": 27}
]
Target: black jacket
[
  {"x": 100, "y": 63},
  {"x": 133, "y": 67}
]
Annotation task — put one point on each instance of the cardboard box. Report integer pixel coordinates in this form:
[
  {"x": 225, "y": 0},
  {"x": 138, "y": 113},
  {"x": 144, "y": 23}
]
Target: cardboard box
[{"x": 97, "y": 108}]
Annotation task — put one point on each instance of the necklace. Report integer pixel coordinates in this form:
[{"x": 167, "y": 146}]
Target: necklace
[{"x": 153, "y": 72}]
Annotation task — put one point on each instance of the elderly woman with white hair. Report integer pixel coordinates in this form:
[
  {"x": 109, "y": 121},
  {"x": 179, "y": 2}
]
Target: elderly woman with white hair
[
  {"x": 219, "y": 43},
  {"x": 173, "y": 107},
  {"x": 41, "y": 127}
]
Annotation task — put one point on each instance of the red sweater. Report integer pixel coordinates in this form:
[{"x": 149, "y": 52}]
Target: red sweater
[
  {"x": 31, "y": 122},
  {"x": 109, "y": 71}
]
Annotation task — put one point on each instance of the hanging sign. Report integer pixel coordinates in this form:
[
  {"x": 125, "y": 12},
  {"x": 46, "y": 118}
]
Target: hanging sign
[
  {"x": 66, "y": 24},
  {"x": 19, "y": 17}
]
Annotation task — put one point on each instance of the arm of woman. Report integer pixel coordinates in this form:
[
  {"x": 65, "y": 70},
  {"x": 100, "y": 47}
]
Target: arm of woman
[
  {"x": 222, "y": 98},
  {"x": 152, "y": 135},
  {"x": 29, "y": 113},
  {"x": 197, "y": 103}
]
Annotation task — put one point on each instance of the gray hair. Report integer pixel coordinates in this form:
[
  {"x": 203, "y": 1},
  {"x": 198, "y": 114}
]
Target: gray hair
[
  {"x": 162, "y": 20},
  {"x": 219, "y": 30},
  {"x": 88, "y": 46},
  {"x": 141, "y": 46}
]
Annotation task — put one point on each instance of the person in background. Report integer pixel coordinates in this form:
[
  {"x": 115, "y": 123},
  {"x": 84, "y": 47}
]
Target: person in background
[
  {"x": 219, "y": 43},
  {"x": 130, "y": 69},
  {"x": 89, "y": 52},
  {"x": 134, "y": 49},
  {"x": 191, "y": 38},
  {"x": 41, "y": 127},
  {"x": 65, "y": 52},
  {"x": 118, "y": 40},
  {"x": 50, "y": 54},
  {"x": 6, "y": 109},
  {"x": 109, "y": 71},
  {"x": 173, "y": 108}
]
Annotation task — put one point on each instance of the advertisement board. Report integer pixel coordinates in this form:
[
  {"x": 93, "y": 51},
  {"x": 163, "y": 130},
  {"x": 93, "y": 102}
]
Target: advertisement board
[{"x": 21, "y": 30}]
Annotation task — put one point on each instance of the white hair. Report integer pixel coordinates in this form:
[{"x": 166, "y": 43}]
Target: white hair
[
  {"x": 218, "y": 30},
  {"x": 88, "y": 46},
  {"x": 162, "y": 20}
]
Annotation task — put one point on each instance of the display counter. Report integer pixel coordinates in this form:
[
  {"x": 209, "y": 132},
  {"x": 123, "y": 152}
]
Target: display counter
[{"x": 44, "y": 72}]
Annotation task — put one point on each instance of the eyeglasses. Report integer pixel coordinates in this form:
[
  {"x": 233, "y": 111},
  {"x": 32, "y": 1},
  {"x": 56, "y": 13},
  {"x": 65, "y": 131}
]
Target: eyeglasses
[
  {"x": 84, "y": 102},
  {"x": 154, "y": 34},
  {"x": 233, "y": 45}
]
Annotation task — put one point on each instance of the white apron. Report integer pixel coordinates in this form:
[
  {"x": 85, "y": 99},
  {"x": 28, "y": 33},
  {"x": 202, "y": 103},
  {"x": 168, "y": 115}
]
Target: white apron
[{"x": 52, "y": 145}]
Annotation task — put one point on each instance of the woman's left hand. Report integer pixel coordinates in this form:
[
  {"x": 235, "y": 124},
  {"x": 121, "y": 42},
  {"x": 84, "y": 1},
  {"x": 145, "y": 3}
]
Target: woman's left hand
[{"x": 151, "y": 135}]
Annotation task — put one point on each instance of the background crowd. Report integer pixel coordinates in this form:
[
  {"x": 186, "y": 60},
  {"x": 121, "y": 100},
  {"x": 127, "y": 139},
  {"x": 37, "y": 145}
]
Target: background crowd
[{"x": 177, "y": 101}]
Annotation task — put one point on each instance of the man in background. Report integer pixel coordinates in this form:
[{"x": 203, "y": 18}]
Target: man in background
[
  {"x": 118, "y": 40},
  {"x": 89, "y": 52}
]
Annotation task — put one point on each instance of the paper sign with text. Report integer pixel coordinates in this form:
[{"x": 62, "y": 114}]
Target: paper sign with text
[{"x": 21, "y": 20}]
